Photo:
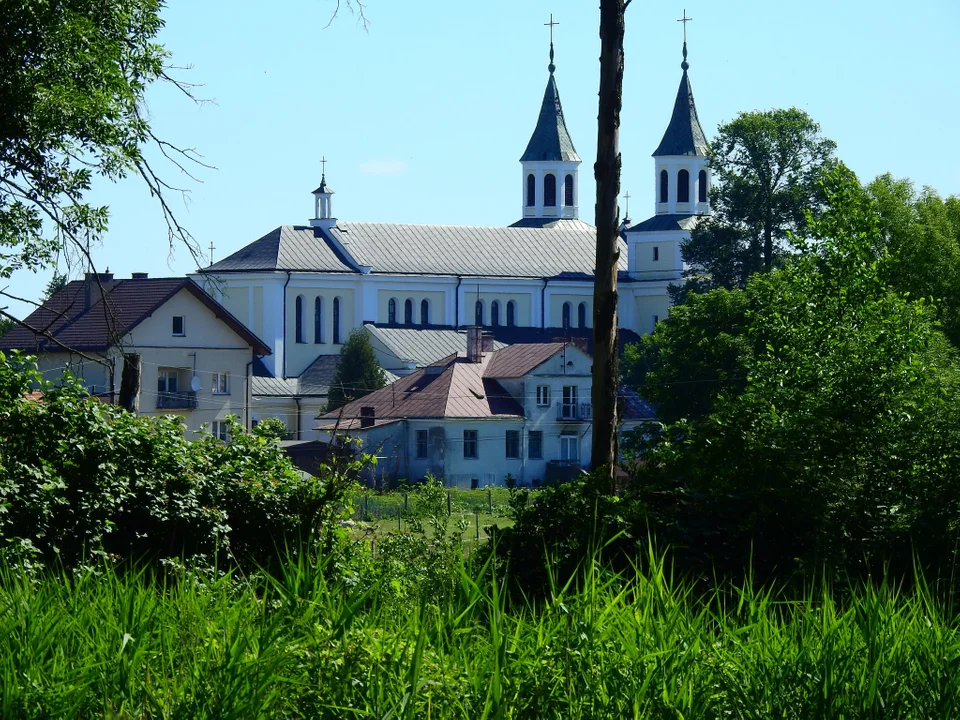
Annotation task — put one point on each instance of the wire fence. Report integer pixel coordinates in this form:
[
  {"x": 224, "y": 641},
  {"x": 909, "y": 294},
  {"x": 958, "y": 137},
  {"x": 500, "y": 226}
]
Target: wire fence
[{"x": 371, "y": 506}]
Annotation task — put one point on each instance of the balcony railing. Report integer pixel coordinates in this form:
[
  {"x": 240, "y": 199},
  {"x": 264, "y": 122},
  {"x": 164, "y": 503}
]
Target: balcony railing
[
  {"x": 574, "y": 412},
  {"x": 176, "y": 401}
]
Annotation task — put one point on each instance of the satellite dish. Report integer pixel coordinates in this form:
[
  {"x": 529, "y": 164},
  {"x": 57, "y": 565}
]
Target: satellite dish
[{"x": 195, "y": 383}]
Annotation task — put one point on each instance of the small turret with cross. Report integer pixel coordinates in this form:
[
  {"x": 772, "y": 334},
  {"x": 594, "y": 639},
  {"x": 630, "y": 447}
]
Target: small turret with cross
[{"x": 323, "y": 201}]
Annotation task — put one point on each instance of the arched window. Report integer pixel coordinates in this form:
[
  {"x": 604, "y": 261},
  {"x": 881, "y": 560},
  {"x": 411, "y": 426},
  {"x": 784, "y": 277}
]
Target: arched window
[
  {"x": 582, "y": 315},
  {"x": 702, "y": 186},
  {"x": 511, "y": 313},
  {"x": 318, "y": 320},
  {"x": 495, "y": 313},
  {"x": 664, "y": 186},
  {"x": 531, "y": 190},
  {"x": 683, "y": 186},
  {"x": 424, "y": 312},
  {"x": 478, "y": 313},
  {"x": 408, "y": 312},
  {"x": 550, "y": 190},
  {"x": 568, "y": 191},
  {"x": 336, "y": 321},
  {"x": 566, "y": 315},
  {"x": 299, "y": 320},
  {"x": 392, "y": 311}
]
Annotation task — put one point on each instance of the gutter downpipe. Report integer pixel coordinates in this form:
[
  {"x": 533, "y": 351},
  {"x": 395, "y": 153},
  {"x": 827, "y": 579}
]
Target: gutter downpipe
[
  {"x": 284, "y": 368},
  {"x": 543, "y": 307},
  {"x": 456, "y": 307},
  {"x": 296, "y": 399},
  {"x": 248, "y": 400}
]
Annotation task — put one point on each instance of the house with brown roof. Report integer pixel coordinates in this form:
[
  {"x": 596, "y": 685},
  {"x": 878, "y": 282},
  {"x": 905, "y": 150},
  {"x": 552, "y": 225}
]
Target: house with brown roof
[
  {"x": 477, "y": 416},
  {"x": 195, "y": 358}
]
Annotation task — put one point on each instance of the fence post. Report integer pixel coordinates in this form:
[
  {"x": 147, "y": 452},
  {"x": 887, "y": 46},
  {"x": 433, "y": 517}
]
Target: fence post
[
  {"x": 476, "y": 515},
  {"x": 449, "y": 506},
  {"x": 490, "y": 500},
  {"x": 399, "y": 515},
  {"x": 406, "y": 497}
]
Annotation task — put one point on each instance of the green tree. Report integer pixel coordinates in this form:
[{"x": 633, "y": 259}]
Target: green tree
[
  {"x": 358, "y": 371},
  {"x": 56, "y": 284},
  {"x": 766, "y": 167},
  {"x": 5, "y": 326},
  {"x": 272, "y": 428}
]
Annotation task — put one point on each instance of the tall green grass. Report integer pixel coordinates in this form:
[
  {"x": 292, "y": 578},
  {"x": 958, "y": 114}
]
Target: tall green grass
[{"x": 101, "y": 644}]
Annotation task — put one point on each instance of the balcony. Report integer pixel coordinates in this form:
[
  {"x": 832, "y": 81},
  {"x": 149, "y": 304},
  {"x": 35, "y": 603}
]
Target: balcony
[
  {"x": 574, "y": 412},
  {"x": 176, "y": 401}
]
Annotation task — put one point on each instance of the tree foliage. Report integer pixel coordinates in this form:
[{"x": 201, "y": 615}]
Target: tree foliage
[
  {"x": 358, "y": 371},
  {"x": 766, "y": 167}
]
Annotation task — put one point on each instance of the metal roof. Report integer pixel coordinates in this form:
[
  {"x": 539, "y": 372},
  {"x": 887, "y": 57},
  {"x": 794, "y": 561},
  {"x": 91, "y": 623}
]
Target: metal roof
[
  {"x": 550, "y": 140},
  {"x": 666, "y": 223},
  {"x": 422, "y": 346},
  {"x": 684, "y": 136},
  {"x": 288, "y": 247}
]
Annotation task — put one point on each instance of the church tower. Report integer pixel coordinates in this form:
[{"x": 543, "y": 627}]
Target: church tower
[{"x": 550, "y": 163}]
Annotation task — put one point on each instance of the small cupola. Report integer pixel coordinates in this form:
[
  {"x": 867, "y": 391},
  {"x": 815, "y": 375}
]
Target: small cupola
[
  {"x": 323, "y": 204},
  {"x": 550, "y": 163}
]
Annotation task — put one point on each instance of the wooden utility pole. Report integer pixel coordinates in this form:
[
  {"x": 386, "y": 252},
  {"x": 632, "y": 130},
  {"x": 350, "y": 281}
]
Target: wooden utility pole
[
  {"x": 130, "y": 383},
  {"x": 606, "y": 364}
]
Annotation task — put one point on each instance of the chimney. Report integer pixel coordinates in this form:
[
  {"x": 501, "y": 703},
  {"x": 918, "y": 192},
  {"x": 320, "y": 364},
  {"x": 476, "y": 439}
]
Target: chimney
[
  {"x": 92, "y": 282},
  {"x": 368, "y": 417},
  {"x": 139, "y": 276},
  {"x": 486, "y": 342},
  {"x": 474, "y": 343}
]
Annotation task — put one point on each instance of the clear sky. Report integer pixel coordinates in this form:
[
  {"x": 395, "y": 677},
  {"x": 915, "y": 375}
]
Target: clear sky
[{"x": 424, "y": 117}]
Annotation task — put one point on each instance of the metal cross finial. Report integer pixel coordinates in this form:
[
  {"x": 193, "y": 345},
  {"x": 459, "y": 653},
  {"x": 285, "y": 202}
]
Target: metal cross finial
[
  {"x": 211, "y": 252},
  {"x": 551, "y": 67},
  {"x": 323, "y": 161},
  {"x": 684, "y": 20},
  {"x": 627, "y": 198}
]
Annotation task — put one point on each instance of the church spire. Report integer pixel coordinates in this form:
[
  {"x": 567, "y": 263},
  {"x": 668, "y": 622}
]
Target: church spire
[{"x": 684, "y": 136}]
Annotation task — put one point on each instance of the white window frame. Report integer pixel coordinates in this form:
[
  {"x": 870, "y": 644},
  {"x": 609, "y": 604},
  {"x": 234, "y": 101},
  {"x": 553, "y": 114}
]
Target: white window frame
[
  {"x": 569, "y": 401},
  {"x": 221, "y": 383},
  {"x": 566, "y": 443},
  {"x": 165, "y": 376},
  {"x": 218, "y": 428},
  {"x": 425, "y": 434},
  {"x": 183, "y": 326},
  {"x": 543, "y": 396}
]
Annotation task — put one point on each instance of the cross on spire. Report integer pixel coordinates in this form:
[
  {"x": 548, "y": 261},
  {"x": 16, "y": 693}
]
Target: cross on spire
[
  {"x": 211, "y": 251},
  {"x": 551, "y": 67},
  {"x": 323, "y": 164},
  {"x": 627, "y": 209},
  {"x": 684, "y": 20}
]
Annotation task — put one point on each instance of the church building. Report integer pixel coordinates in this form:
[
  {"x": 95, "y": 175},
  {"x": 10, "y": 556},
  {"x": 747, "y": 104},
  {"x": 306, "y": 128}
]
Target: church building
[{"x": 303, "y": 288}]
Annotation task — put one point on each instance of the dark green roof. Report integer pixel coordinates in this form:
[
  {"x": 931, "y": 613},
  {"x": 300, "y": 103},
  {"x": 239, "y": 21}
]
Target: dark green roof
[
  {"x": 684, "y": 136},
  {"x": 550, "y": 141}
]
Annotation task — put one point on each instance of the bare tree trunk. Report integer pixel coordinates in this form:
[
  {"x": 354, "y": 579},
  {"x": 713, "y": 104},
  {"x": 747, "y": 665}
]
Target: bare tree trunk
[
  {"x": 606, "y": 366},
  {"x": 130, "y": 383}
]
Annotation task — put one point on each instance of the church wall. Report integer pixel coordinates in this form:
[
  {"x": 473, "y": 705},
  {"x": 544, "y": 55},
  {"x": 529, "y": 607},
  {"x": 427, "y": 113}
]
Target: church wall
[
  {"x": 437, "y": 300},
  {"x": 647, "y": 306},
  {"x": 669, "y": 262},
  {"x": 236, "y": 299},
  {"x": 523, "y": 300},
  {"x": 556, "y": 301},
  {"x": 257, "y": 304},
  {"x": 300, "y": 355}
]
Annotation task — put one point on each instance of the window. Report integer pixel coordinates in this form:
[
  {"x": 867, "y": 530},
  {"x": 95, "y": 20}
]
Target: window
[
  {"x": 424, "y": 312},
  {"x": 550, "y": 190},
  {"x": 318, "y": 321},
  {"x": 470, "y": 444},
  {"x": 221, "y": 383},
  {"x": 566, "y": 315},
  {"x": 702, "y": 186},
  {"x": 336, "y": 320},
  {"x": 423, "y": 443},
  {"x": 512, "y": 447},
  {"x": 543, "y": 395},
  {"x": 664, "y": 186},
  {"x": 495, "y": 313},
  {"x": 218, "y": 428},
  {"x": 392, "y": 311},
  {"x": 478, "y": 313},
  {"x": 570, "y": 448},
  {"x": 534, "y": 444},
  {"x": 683, "y": 186},
  {"x": 299, "y": 319},
  {"x": 656, "y": 253},
  {"x": 167, "y": 380},
  {"x": 582, "y": 315},
  {"x": 408, "y": 312},
  {"x": 511, "y": 313},
  {"x": 178, "y": 327},
  {"x": 568, "y": 407},
  {"x": 568, "y": 191},
  {"x": 531, "y": 190},
  {"x": 656, "y": 319}
]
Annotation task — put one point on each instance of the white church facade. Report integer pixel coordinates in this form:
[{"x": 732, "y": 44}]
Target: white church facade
[{"x": 303, "y": 288}]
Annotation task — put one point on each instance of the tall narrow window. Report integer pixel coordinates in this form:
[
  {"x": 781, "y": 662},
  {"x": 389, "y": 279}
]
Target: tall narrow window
[
  {"x": 566, "y": 315},
  {"x": 702, "y": 186},
  {"x": 664, "y": 186},
  {"x": 683, "y": 186},
  {"x": 299, "y": 319},
  {"x": 531, "y": 190},
  {"x": 423, "y": 443},
  {"x": 582, "y": 315},
  {"x": 495, "y": 313},
  {"x": 550, "y": 190},
  {"x": 470, "y": 442},
  {"x": 336, "y": 321},
  {"x": 535, "y": 444},
  {"x": 512, "y": 445},
  {"x": 568, "y": 191},
  {"x": 656, "y": 253},
  {"x": 318, "y": 320},
  {"x": 408, "y": 312},
  {"x": 178, "y": 329},
  {"x": 478, "y": 313},
  {"x": 392, "y": 311},
  {"x": 511, "y": 313},
  {"x": 424, "y": 312}
]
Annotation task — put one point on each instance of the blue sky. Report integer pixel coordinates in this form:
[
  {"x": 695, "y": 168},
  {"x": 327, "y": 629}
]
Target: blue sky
[{"x": 423, "y": 118}]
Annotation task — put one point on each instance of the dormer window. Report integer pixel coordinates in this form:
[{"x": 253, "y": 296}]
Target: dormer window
[
  {"x": 549, "y": 190},
  {"x": 683, "y": 186},
  {"x": 178, "y": 326}
]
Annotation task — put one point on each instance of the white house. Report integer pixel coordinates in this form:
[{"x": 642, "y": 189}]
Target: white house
[
  {"x": 477, "y": 416},
  {"x": 303, "y": 288}
]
